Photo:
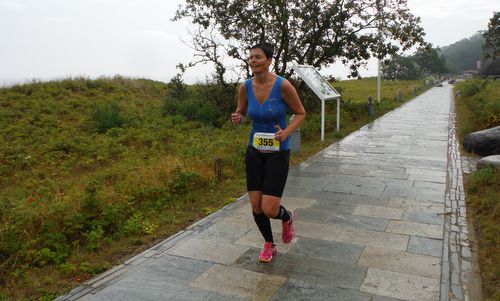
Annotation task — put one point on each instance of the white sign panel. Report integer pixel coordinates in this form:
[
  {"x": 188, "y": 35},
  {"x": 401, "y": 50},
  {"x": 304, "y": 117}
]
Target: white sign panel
[
  {"x": 322, "y": 89},
  {"x": 316, "y": 82}
]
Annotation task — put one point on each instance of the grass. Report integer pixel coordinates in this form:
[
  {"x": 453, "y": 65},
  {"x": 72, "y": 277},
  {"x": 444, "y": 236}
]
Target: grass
[
  {"x": 478, "y": 105},
  {"x": 359, "y": 90},
  {"x": 94, "y": 171},
  {"x": 478, "y": 108},
  {"x": 354, "y": 105}
]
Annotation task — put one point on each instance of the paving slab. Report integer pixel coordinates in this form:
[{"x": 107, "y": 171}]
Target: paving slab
[
  {"x": 313, "y": 215},
  {"x": 429, "y": 207},
  {"x": 355, "y": 188},
  {"x": 382, "y": 298},
  {"x": 404, "y": 262},
  {"x": 425, "y": 246},
  {"x": 324, "y": 198},
  {"x": 327, "y": 250},
  {"x": 357, "y": 221},
  {"x": 413, "y": 193},
  {"x": 291, "y": 191},
  {"x": 363, "y": 237},
  {"x": 334, "y": 206},
  {"x": 306, "y": 291},
  {"x": 417, "y": 216},
  {"x": 292, "y": 203},
  {"x": 379, "y": 211},
  {"x": 400, "y": 285},
  {"x": 418, "y": 229},
  {"x": 239, "y": 283},
  {"x": 380, "y": 217},
  {"x": 312, "y": 270},
  {"x": 166, "y": 277},
  {"x": 319, "y": 231},
  {"x": 208, "y": 250},
  {"x": 307, "y": 183},
  {"x": 227, "y": 230}
]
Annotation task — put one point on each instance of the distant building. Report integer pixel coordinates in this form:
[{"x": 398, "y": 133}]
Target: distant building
[{"x": 469, "y": 73}]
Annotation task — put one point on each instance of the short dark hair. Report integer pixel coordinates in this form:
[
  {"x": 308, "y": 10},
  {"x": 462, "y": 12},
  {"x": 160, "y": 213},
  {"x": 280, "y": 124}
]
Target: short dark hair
[{"x": 267, "y": 48}]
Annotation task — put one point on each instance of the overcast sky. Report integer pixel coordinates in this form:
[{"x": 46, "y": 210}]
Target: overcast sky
[{"x": 49, "y": 39}]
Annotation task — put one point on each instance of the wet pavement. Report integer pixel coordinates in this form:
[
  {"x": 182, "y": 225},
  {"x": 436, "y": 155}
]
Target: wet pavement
[{"x": 381, "y": 216}]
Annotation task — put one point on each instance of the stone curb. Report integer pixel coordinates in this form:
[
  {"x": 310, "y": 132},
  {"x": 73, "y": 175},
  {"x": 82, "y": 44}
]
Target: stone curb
[{"x": 457, "y": 261}]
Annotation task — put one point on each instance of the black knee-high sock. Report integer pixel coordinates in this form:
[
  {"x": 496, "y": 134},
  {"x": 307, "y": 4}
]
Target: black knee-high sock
[
  {"x": 283, "y": 214},
  {"x": 264, "y": 225}
]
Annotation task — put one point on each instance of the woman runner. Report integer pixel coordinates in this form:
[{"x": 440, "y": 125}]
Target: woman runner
[{"x": 264, "y": 98}]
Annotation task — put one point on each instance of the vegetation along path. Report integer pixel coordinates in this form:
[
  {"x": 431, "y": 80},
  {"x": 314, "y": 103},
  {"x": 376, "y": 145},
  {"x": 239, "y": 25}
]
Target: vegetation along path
[{"x": 371, "y": 225}]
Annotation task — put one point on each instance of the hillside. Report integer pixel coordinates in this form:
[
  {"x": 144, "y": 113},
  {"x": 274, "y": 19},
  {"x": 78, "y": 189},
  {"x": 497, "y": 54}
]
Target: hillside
[{"x": 463, "y": 55}]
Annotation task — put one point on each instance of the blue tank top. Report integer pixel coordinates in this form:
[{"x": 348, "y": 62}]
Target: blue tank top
[{"x": 266, "y": 115}]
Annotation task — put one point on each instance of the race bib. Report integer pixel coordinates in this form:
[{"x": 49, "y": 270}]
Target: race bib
[{"x": 265, "y": 142}]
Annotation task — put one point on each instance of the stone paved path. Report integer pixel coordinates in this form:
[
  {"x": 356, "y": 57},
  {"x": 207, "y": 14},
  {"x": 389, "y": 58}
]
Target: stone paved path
[{"x": 373, "y": 224}]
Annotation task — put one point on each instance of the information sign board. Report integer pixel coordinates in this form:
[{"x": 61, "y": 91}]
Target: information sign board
[
  {"x": 321, "y": 88},
  {"x": 316, "y": 82}
]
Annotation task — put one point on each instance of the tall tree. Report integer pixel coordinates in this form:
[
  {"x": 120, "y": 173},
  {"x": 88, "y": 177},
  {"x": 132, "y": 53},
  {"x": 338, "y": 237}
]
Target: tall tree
[
  {"x": 400, "y": 67},
  {"x": 429, "y": 61},
  {"x": 492, "y": 37},
  {"x": 314, "y": 32}
]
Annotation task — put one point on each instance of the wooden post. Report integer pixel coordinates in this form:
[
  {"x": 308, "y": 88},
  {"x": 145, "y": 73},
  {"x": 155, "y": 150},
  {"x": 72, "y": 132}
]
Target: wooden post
[{"x": 218, "y": 169}]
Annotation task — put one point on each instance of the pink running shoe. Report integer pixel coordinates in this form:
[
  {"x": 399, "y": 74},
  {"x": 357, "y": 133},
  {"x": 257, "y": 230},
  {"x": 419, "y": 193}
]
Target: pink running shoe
[
  {"x": 288, "y": 232},
  {"x": 266, "y": 255}
]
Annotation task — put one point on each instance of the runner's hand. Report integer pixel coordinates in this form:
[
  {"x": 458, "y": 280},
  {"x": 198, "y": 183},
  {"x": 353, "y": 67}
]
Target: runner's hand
[
  {"x": 280, "y": 134},
  {"x": 236, "y": 117}
]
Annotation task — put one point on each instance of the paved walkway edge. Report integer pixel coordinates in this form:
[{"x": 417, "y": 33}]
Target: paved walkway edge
[{"x": 459, "y": 277}]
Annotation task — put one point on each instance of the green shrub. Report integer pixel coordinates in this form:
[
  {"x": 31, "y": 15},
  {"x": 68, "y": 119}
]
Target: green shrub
[
  {"x": 55, "y": 249},
  {"x": 177, "y": 88},
  {"x": 148, "y": 227},
  {"x": 67, "y": 268},
  {"x": 110, "y": 217},
  {"x": 74, "y": 223},
  {"x": 90, "y": 206},
  {"x": 10, "y": 242},
  {"x": 194, "y": 110},
  {"x": 107, "y": 116},
  {"x": 354, "y": 109},
  {"x": 149, "y": 196},
  {"x": 470, "y": 88},
  {"x": 94, "y": 238},
  {"x": 478, "y": 105},
  {"x": 209, "y": 103},
  {"x": 184, "y": 180},
  {"x": 86, "y": 267},
  {"x": 222, "y": 97},
  {"x": 484, "y": 177},
  {"x": 133, "y": 224},
  {"x": 62, "y": 145}
]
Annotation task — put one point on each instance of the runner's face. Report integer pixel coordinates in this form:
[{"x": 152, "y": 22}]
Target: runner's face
[{"x": 258, "y": 61}]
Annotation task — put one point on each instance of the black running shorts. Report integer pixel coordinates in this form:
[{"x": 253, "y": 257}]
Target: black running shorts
[{"x": 267, "y": 172}]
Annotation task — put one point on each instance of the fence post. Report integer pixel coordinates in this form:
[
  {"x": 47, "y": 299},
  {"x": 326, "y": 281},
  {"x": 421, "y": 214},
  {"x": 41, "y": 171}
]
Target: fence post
[
  {"x": 295, "y": 138},
  {"x": 218, "y": 169},
  {"x": 371, "y": 110},
  {"x": 399, "y": 96}
]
